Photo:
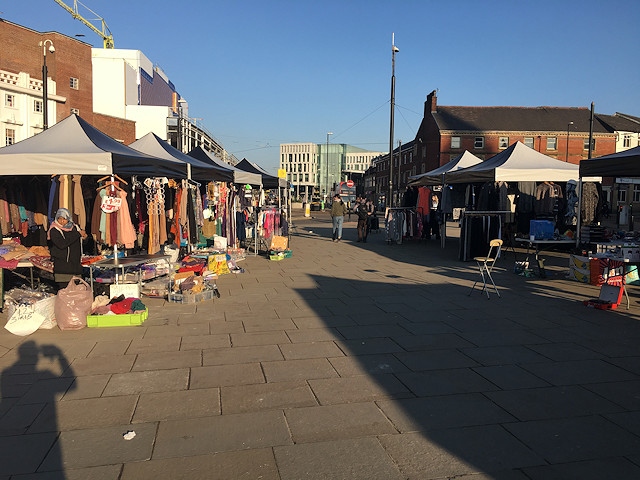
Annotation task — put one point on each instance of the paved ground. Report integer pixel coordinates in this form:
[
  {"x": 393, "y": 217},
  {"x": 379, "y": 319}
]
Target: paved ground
[{"x": 346, "y": 361}]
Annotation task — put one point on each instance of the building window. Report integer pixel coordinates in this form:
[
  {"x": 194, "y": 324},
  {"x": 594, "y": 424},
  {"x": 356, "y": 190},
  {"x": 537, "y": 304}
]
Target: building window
[
  {"x": 455, "y": 142},
  {"x": 503, "y": 142},
  {"x": 73, "y": 83},
  {"x": 9, "y": 136},
  {"x": 478, "y": 142},
  {"x": 37, "y": 106},
  {"x": 636, "y": 193},
  {"x": 622, "y": 195},
  {"x": 626, "y": 141},
  {"x": 552, "y": 143},
  {"x": 9, "y": 100},
  {"x": 75, "y": 111},
  {"x": 586, "y": 144},
  {"x": 528, "y": 141}
]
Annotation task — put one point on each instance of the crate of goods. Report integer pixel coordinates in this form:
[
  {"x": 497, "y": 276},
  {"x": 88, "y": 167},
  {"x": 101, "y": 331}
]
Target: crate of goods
[
  {"x": 609, "y": 298},
  {"x": 187, "y": 297},
  {"x": 121, "y": 320},
  {"x": 541, "y": 229}
]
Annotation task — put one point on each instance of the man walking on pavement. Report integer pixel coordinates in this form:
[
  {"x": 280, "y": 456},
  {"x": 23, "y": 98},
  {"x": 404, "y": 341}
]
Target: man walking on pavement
[
  {"x": 363, "y": 220},
  {"x": 338, "y": 210}
]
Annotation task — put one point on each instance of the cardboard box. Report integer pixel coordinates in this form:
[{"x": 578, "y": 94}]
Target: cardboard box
[{"x": 124, "y": 320}]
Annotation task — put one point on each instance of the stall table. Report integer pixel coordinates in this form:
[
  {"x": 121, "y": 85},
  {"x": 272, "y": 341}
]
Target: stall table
[
  {"x": 121, "y": 263},
  {"x": 540, "y": 245}
]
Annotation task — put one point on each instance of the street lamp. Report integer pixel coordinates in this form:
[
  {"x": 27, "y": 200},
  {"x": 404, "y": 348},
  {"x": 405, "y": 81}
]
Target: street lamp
[
  {"x": 45, "y": 109},
  {"x": 566, "y": 157},
  {"x": 394, "y": 50},
  {"x": 327, "y": 177}
]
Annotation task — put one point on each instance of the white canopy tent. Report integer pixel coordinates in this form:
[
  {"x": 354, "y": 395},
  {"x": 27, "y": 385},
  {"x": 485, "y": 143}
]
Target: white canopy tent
[
  {"x": 435, "y": 177},
  {"x": 518, "y": 163}
]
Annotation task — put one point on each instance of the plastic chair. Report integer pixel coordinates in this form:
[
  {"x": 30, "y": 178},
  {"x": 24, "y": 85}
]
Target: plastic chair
[{"x": 485, "y": 265}]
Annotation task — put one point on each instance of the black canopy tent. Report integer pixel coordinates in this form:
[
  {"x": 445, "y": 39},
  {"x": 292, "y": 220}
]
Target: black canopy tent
[
  {"x": 621, "y": 164},
  {"x": 153, "y": 145},
  {"x": 268, "y": 181},
  {"x": 232, "y": 174},
  {"x": 75, "y": 147}
]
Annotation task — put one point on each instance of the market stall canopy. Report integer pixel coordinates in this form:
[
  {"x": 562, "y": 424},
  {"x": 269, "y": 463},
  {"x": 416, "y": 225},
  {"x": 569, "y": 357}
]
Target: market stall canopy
[
  {"x": 237, "y": 175},
  {"x": 73, "y": 146},
  {"x": 518, "y": 163},
  {"x": 153, "y": 145},
  {"x": 621, "y": 164},
  {"x": 434, "y": 177},
  {"x": 268, "y": 181}
]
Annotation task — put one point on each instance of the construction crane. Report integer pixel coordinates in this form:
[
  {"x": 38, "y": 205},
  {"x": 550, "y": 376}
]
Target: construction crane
[{"x": 105, "y": 33}]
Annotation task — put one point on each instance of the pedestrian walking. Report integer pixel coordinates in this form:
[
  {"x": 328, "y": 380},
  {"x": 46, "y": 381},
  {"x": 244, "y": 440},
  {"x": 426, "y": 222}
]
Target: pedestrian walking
[
  {"x": 363, "y": 220},
  {"x": 338, "y": 210}
]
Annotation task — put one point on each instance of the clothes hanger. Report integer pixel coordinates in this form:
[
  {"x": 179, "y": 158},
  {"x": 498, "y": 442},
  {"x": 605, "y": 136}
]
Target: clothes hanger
[{"x": 112, "y": 178}]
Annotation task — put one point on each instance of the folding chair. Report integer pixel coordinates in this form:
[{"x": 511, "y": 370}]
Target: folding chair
[{"x": 485, "y": 265}]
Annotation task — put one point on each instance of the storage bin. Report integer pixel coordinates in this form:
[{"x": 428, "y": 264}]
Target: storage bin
[
  {"x": 123, "y": 320},
  {"x": 191, "y": 297},
  {"x": 541, "y": 229}
]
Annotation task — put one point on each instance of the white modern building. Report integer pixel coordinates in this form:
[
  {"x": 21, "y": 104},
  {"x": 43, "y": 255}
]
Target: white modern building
[{"x": 314, "y": 169}]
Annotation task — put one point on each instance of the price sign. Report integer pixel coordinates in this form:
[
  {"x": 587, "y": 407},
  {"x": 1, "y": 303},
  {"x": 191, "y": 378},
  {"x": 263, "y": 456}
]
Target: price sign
[{"x": 111, "y": 204}]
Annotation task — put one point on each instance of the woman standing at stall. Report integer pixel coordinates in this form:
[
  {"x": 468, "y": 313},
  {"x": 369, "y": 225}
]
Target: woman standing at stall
[{"x": 65, "y": 247}]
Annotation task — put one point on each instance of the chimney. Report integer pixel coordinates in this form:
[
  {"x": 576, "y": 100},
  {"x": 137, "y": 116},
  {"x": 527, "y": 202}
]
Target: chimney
[{"x": 431, "y": 105}]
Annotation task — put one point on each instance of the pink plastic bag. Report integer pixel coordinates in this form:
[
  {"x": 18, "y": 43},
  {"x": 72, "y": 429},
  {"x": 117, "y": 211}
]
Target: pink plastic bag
[{"x": 73, "y": 304}]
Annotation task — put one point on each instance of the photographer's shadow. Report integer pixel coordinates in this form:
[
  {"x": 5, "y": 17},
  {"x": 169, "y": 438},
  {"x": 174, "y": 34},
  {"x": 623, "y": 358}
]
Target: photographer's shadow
[{"x": 28, "y": 414}]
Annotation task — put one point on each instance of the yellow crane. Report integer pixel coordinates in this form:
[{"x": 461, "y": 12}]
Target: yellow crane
[{"x": 105, "y": 33}]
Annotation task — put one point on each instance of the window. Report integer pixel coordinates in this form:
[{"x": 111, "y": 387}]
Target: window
[
  {"x": 9, "y": 100},
  {"x": 478, "y": 142},
  {"x": 503, "y": 142},
  {"x": 586, "y": 144},
  {"x": 455, "y": 142},
  {"x": 622, "y": 195},
  {"x": 636, "y": 193},
  {"x": 75, "y": 111},
  {"x": 9, "y": 136},
  {"x": 528, "y": 141},
  {"x": 552, "y": 143},
  {"x": 37, "y": 106},
  {"x": 73, "y": 83},
  {"x": 626, "y": 141}
]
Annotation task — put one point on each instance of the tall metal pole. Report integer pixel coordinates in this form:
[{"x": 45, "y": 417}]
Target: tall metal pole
[
  {"x": 394, "y": 49},
  {"x": 45, "y": 74},
  {"x": 566, "y": 156},
  {"x": 591, "y": 131},
  {"x": 327, "y": 178}
]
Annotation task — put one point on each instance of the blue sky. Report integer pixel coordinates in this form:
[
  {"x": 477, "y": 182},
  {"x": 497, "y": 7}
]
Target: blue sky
[{"x": 263, "y": 72}]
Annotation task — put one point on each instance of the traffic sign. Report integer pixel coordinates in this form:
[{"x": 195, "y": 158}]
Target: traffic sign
[{"x": 350, "y": 183}]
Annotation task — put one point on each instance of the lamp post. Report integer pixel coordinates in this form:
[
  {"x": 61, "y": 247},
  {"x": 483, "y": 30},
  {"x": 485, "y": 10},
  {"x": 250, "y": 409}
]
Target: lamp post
[
  {"x": 566, "y": 157},
  {"x": 394, "y": 50},
  {"x": 327, "y": 177},
  {"x": 45, "y": 93}
]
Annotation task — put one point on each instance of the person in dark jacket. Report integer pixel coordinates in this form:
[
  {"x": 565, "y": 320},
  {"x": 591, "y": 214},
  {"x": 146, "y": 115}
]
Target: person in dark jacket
[
  {"x": 65, "y": 239},
  {"x": 363, "y": 220}
]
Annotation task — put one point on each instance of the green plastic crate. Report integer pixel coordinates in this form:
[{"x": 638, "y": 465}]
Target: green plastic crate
[{"x": 123, "y": 320}]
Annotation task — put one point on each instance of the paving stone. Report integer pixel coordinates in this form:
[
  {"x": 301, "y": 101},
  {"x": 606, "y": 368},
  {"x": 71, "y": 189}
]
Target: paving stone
[
  {"x": 431, "y": 341},
  {"x": 100, "y": 365},
  {"x": 85, "y": 413},
  {"x": 262, "y": 324},
  {"x": 162, "y": 406},
  {"x": 110, "y": 347},
  {"x": 147, "y": 381},
  {"x": 504, "y": 355},
  {"x": 154, "y": 344},
  {"x": 574, "y": 439},
  {"x": 24, "y": 453},
  {"x": 308, "y": 335},
  {"x": 177, "y": 330},
  {"x": 101, "y": 446},
  {"x": 266, "y": 396},
  {"x": 372, "y": 331},
  {"x": 503, "y": 337},
  {"x": 510, "y": 377},
  {"x": 444, "y": 382},
  {"x": 199, "y": 436},
  {"x": 630, "y": 421},
  {"x": 333, "y": 422},
  {"x": 370, "y": 346},
  {"x": 565, "y": 351},
  {"x": 617, "y": 467},
  {"x": 579, "y": 372},
  {"x": 367, "y": 364},
  {"x": 296, "y": 351},
  {"x": 456, "y": 452},
  {"x": 223, "y": 375},
  {"x": 435, "y": 360},
  {"x": 258, "y": 338},
  {"x": 447, "y": 411},
  {"x": 360, "y": 388},
  {"x": 304, "y": 369},
  {"x": 359, "y": 458},
  {"x": 257, "y": 463},
  {"x": 205, "y": 342},
  {"x": 227, "y": 356},
  {"x": 168, "y": 360}
]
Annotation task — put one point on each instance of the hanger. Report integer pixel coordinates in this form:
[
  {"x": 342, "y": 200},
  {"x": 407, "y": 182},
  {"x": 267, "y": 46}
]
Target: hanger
[
  {"x": 109, "y": 184},
  {"x": 112, "y": 177}
]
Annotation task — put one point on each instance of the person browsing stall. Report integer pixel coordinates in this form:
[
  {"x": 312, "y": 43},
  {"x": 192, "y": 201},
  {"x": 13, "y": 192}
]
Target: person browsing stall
[
  {"x": 338, "y": 211},
  {"x": 65, "y": 247}
]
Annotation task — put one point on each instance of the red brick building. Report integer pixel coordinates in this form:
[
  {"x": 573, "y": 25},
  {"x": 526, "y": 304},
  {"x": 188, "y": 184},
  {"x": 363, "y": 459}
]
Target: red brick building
[{"x": 69, "y": 67}]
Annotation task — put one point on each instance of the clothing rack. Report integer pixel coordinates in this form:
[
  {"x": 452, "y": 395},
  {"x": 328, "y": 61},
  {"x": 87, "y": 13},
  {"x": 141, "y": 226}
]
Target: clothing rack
[{"x": 466, "y": 250}]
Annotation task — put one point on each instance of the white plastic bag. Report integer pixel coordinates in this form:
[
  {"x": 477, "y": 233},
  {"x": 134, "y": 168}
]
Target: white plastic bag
[
  {"x": 24, "y": 321},
  {"x": 73, "y": 304}
]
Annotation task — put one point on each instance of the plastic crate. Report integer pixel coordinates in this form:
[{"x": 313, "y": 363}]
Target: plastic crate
[
  {"x": 123, "y": 320},
  {"x": 191, "y": 297}
]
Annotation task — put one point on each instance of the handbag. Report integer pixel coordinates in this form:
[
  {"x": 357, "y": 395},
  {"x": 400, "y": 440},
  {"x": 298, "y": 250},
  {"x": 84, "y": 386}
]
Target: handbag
[{"x": 73, "y": 304}]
